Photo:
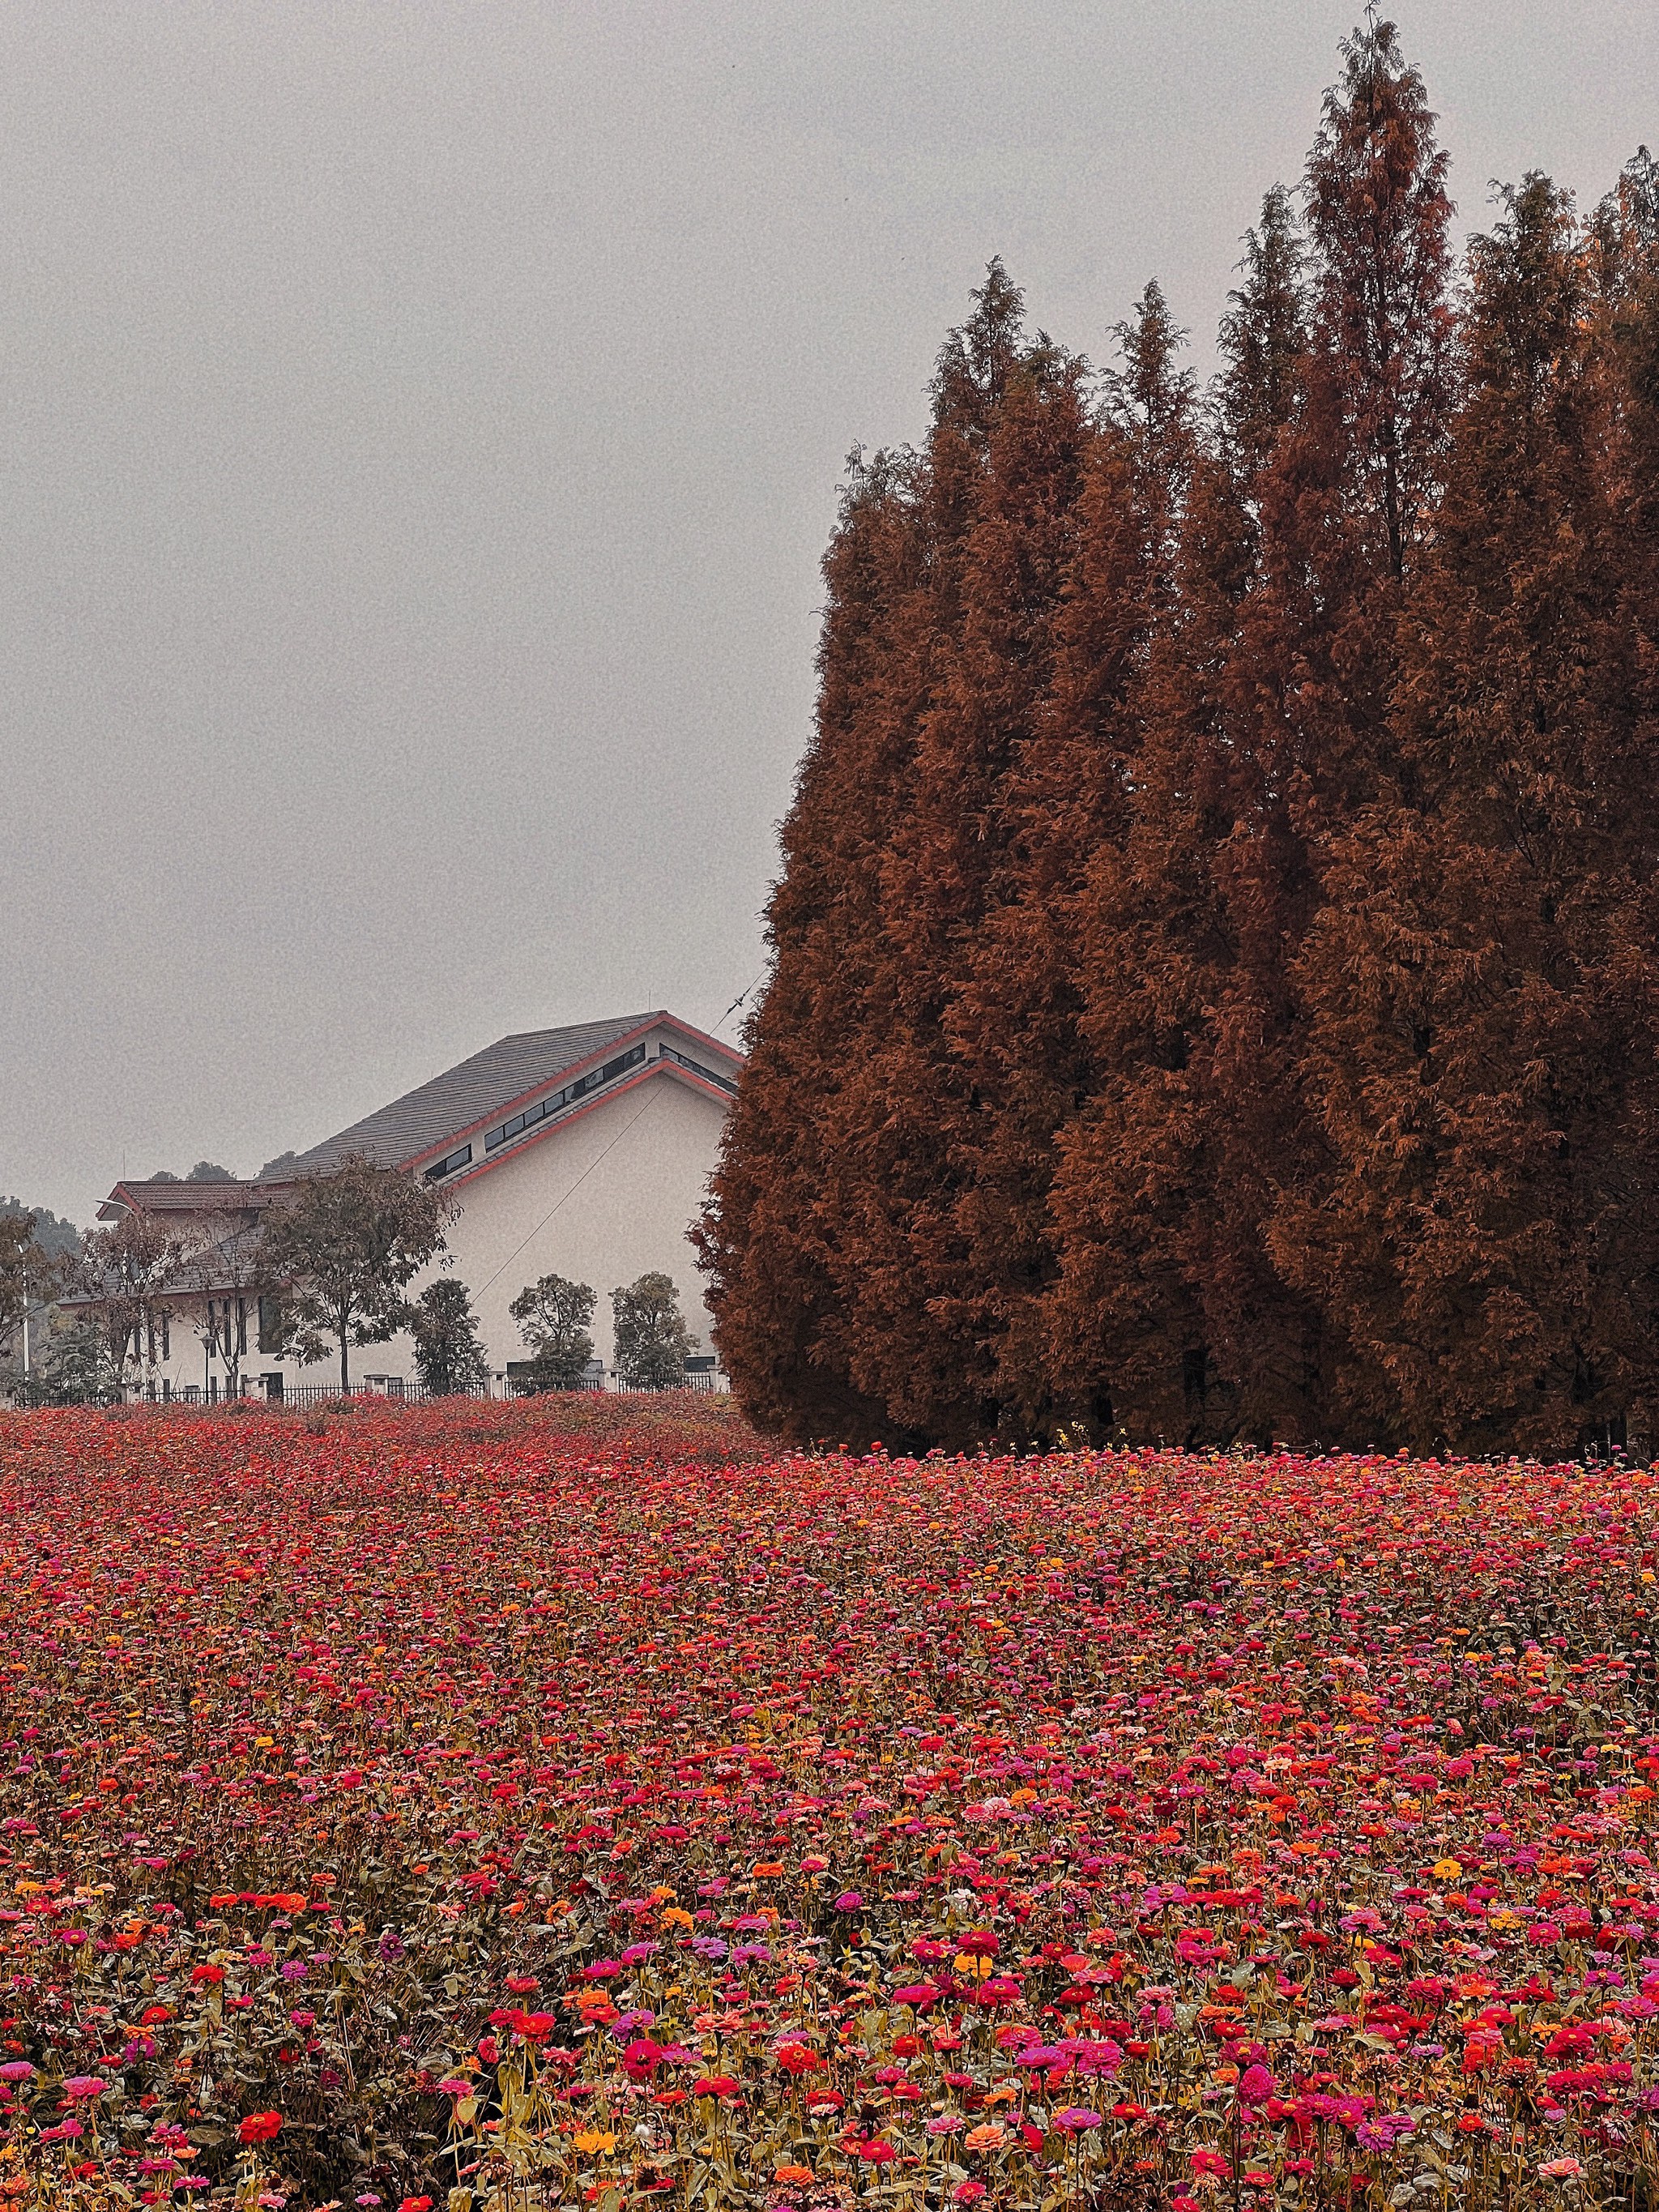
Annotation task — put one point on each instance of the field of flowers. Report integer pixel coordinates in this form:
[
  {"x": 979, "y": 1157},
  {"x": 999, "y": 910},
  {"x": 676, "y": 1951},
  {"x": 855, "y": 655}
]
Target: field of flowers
[{"x": 554, "y": 1804}]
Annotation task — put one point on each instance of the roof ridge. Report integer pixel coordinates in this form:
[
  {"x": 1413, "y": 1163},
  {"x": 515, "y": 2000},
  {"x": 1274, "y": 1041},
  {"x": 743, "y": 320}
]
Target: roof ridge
[
  {"x": 562, "y": 1029},
  {"x": 423, "y": 1118}
]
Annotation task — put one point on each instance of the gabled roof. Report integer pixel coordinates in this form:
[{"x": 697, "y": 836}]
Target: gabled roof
[
  {"x": 164, "y": 1195},
  {"x": 477, "y": 1091},
  {"x": 219, "y": 1250},
  {"x": 495, "y": 1085}
]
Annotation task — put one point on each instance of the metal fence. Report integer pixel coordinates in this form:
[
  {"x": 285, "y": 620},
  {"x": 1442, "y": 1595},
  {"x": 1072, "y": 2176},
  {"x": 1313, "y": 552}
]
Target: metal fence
[
  {"x": 708, "y": 1385},
  {"x": 399, "y": 1392},
  {"x": 325, "y": 1394}
]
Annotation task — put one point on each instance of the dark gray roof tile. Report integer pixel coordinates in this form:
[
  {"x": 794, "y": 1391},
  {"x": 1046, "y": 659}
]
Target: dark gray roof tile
[{"x": 425, "y": 1118}]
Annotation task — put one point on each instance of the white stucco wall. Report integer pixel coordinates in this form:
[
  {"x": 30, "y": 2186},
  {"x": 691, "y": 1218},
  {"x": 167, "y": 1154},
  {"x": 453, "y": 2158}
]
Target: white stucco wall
[
  {"x": 600, "y": 1201},
  {"x": 600, "y": 1198}
]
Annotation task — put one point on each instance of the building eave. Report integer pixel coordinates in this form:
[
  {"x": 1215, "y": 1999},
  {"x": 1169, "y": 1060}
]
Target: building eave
[
  {"x": 504, "y": 1112},
  {"x": 190, "y": 1198},
  {"x": 528, "y": 1143}
]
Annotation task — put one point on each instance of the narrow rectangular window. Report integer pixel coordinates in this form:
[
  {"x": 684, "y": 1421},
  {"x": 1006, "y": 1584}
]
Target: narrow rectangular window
[
  {"x": 271, "y": 1325},
  {"x": 241, "y": 1326}
]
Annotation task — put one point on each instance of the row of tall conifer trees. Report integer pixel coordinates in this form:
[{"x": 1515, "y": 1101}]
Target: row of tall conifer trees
[{"x": 1214, "y": 964}]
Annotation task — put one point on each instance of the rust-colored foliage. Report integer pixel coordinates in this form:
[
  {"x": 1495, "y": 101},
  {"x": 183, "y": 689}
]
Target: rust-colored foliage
[
  {"x": 1479, "y": 981},
  {"x": 1214, "y": 959}
]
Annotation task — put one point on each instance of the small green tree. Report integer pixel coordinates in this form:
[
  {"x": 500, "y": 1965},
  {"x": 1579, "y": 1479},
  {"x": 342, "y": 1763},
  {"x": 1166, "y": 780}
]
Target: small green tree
[
  {"x": 29, "y": 1278},
  {"x": 128, "y": 1276},
  {"x": 553, "y": 1316},
  {"x": 652, "y": 1341},
  {"x": 229, "y": 1263},
  {"x": 345, "y": 1251},
  {"x": 449, "y": 1355},
  {"x": 17, "y": 1249},
  {"x": 76, "y": 1369}
]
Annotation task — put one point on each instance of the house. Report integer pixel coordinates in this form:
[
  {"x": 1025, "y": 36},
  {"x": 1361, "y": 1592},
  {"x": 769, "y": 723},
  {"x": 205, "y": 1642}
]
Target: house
[{"x": 584, "y": 1151}]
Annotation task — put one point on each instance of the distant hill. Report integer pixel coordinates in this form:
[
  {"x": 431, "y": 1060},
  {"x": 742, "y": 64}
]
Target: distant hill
[{"x": 51, "y": 1234}]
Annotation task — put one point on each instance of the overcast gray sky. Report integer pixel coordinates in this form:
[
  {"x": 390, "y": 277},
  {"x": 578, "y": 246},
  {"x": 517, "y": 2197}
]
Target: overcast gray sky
[{"x": 420, "y": 425}]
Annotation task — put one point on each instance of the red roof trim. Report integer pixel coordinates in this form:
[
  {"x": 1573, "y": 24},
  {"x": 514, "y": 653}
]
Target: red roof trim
[
  {"x": 122, "y": 1196},
  {"x": 523, "y": 1144},
  {"x": 139, "y": 1196},
  {"x": 571, "y": 1074},
  {"x": 713, "y": 1042}
]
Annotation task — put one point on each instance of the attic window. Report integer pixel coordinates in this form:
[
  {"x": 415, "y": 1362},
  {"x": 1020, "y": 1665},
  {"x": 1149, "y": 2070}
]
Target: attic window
[
  {"x": 698, "y": 1068},
  {"x": 447, "y": 1167},
  {"x": 556, "y": 1102}
]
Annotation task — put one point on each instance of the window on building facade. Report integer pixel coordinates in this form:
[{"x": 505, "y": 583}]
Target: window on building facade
[
  {"x": 556, "y": 1102},
  {"x": 696, "y": 1067}
]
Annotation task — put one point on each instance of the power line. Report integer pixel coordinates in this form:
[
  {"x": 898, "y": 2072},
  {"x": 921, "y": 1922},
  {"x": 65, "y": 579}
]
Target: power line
[
  {"x": 644, "y": 1107},
  {"x": 735, "y": 1004}
]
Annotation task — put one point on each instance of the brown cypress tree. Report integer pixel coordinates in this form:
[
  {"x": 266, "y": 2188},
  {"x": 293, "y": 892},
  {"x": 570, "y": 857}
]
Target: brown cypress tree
[
  {"x": 1264, "y": 715},
  {"x": 774, "y": 1237},
  {"x": 1259, "y": 1362},
  {"x": 1341, "y": 510},
  {"x": 1626, "y": 688},
  {"x": 889, "y": 1169},
  {"x": 1213, "y": 968},
  {"x": 1019, "y": 1014},
  {"x": 1468, "y": 1034},
  {"x": 1167, "y": 1302},
  {"x": 1125, "y": 1197},
  {"x": 974, "y": 890},
  {"x": 828, "y": 1230},
  {"x": 926, "y": 1301},
  {"x": 1167, "y": 1306}
]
